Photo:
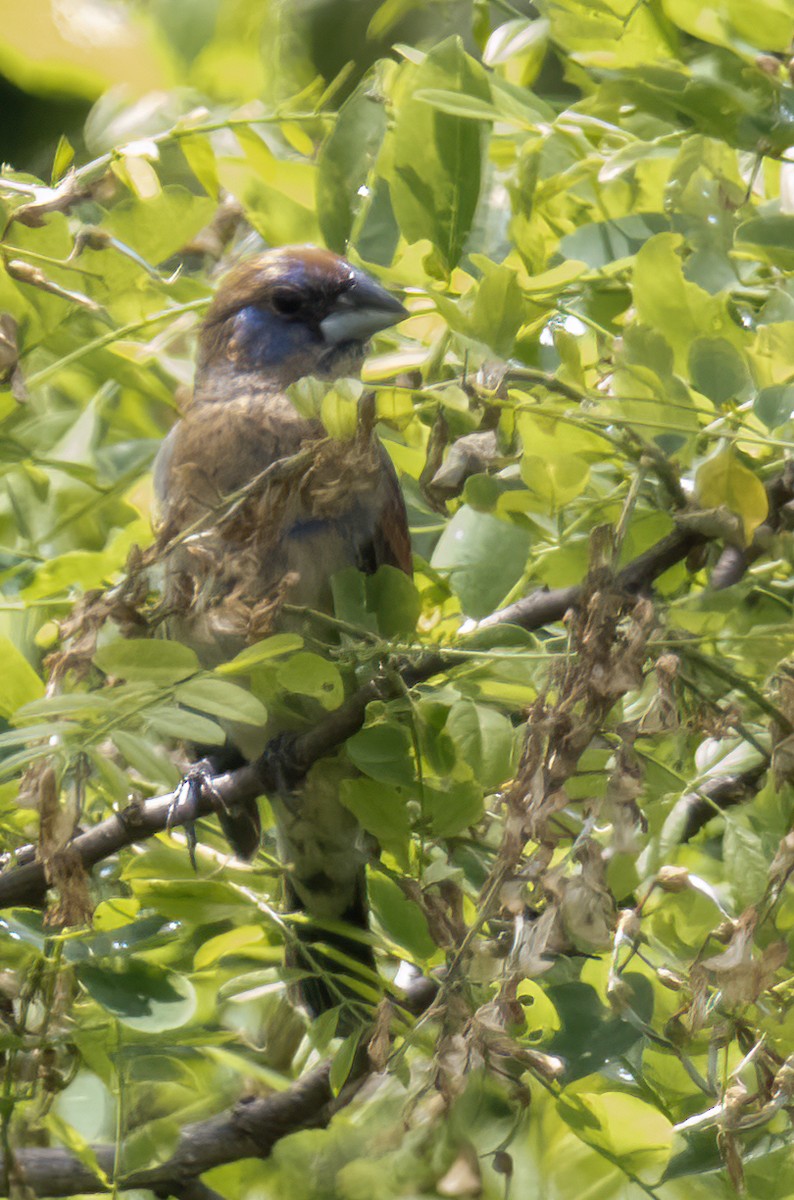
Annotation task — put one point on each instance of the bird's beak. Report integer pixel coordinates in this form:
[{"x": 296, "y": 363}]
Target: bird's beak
[{"x": 362, "y": 310}]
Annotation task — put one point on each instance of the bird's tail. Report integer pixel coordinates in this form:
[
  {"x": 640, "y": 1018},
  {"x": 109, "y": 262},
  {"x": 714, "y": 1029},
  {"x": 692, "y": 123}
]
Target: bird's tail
[
  {"x": 334, "y": 958},
  {"x": 242, "y": 829}
]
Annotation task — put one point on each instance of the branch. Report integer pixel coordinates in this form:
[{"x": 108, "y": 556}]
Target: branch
[
  {"x": 26, "y": 884},
  {"x": 733, "y": 562},
  {"x": 248, "y": 1130},
  {"x": 724, "y": 791}
]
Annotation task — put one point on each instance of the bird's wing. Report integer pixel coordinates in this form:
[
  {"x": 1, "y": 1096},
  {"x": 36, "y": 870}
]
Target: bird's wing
[{"x": 391, "y": 540}]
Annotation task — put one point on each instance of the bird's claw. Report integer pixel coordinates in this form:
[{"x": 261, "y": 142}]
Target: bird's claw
[{"x": 185, "y": 806}]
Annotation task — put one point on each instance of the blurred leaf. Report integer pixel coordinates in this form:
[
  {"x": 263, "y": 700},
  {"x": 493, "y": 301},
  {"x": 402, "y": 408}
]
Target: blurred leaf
[
  {"x": 717, "y": 369},
  {"x": 484, "y": 556},
  {"x": 152, "y": 661},
  {"x": 261, "y": 652},
  {"x": 772, "y": 235},
  {"x": 393, "y": 598},
  {"x": 150, "y": 761},
  {"x": 310, "y": 675},
  {"x": 276, "y": 193},
  {"x": 453, "y": 807},
  {"x": 679, "y": 310},
  {"x": 345, "y": 161},
  {"x": 380, "y": 810},
  {"x": 232, "y": 942},
  {"x": 402, "y": 919},
  {"x": 21, "y": 684},
  {"x": 176, "y": 723},
  {"x": 723, "y": 480},
  {"x": 343, "y": 1062},
  {"x": 168, "y": 220},
  {"x": 631, "y": 1130},
  {"x": 436, "y": 158},
  {"x": 589, "y": 1037},
  {"x": 222, "y": 699},
  {"x": 485, "y": 739},
  {"x": 139, "y": 994},
  {"x": 774, "y": 405},
  {"x": 383, "y": 751}
]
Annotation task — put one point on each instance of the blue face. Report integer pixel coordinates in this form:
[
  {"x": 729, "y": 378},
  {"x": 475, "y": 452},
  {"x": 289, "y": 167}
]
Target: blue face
[{"x": 265, "y": 339}]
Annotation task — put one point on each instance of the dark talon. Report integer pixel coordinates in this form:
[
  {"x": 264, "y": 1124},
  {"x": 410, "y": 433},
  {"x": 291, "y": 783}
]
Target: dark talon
[{"x": 186, "y": 804}]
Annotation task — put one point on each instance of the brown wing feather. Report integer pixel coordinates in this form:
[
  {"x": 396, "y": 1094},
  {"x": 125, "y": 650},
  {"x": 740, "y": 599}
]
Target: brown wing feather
[{"x": 392, "y": 541}]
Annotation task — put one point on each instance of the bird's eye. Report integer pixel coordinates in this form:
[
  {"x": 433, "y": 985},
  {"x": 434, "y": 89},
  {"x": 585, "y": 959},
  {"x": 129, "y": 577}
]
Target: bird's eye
[{"x": 286, "y": 302}]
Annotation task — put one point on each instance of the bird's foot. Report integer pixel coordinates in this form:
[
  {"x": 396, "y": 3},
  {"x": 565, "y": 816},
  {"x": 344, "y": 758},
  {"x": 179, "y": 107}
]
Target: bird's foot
[
  {"x": 278, "y": 765},
  {"x": 185, "y": 806}
]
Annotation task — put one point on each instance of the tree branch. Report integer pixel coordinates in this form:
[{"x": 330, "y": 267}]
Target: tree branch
[
  {"x": 248, "y": 1130},
  {"x": 25, "y": 883}
]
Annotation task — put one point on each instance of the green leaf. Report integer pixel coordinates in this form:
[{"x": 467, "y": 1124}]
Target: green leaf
[
  {"x": 484, "y": 738},
  {"x": 383, "y": 751},
  {"x": 277, "y": 193},
  {"x": 435, "y": 169},
  {"x": 634, "y": 1132},
  {"x": 453, "y": 807},
  {"x": 150, "y": 762},
  {"x": 222, "y": 699},
  {"x": 724, "y": 480},
  {"x": 308, "y": 674},
  {"x": 62, "y": 160},
  {"x": 381, "y": 810},
  {"x": 393, "y": 598},
  {"x": 21, "y": 684},
  {"x": 589, "y": 1039},
  {"x": 230, "y": 943},
  {"x": 484, "y": 556},
  {"x": 746, "y": 863},
  {"x": 402, "y": 919},
  {"x": 775, "y": 405},
  {"x": 339, "y": 413},
  {"x": 94, "y": 1098},
  {"x": 201, "y": 160},
  {"x": 147, "y": 659},
  {"x": 772, "y": 235},
  {"x": 458, "y": 105},
  {"x": 349, "y": 590},
  {"x": 481, "y": 492},
  {"x": 601, "y": 243},
  {"x": 140, "y": 994},
  {"x": 499, "y": 307},
  {"x": 343, "y": 1061},
  {"x": 162, "y": 225},
  {"x": 673, "y": 306},
  {"x": 345, "y": 160},
  {"x": 718, "y": 370},
  {"x": 176, "y": 723},
  {"x": 261, "y": 652},
  {"x": 558, "y": 483},
  {"x": 194, "y": 901}
]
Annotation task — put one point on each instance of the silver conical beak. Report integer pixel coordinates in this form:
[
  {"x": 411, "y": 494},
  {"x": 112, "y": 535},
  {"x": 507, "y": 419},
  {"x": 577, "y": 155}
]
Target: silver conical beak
[{"x": 364, "y": 309}]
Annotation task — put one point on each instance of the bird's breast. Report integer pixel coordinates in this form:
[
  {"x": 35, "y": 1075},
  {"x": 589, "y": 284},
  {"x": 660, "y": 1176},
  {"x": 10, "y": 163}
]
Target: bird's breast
[{"x": 257, "y": 507}]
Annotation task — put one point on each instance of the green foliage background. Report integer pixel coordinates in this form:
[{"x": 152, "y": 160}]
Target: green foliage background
[{"x": 598, "y": 193}]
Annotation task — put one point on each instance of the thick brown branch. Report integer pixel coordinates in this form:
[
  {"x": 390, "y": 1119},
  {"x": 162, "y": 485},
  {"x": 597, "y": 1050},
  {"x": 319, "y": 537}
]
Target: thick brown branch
[
  {"x": 25, "y": 884},
  {"x": 249, "y": 1130}
]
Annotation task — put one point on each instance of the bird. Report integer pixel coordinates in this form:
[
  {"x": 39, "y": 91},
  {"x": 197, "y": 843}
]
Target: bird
[{"x": 315, "y": 507}]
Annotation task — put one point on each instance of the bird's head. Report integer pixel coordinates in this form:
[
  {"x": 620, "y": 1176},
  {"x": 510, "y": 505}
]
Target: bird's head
[{"x": 290, "y": 313}]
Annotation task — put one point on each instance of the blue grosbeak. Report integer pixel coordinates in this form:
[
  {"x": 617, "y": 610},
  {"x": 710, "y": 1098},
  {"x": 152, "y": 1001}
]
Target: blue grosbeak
[{"x": 287, "y": 314}]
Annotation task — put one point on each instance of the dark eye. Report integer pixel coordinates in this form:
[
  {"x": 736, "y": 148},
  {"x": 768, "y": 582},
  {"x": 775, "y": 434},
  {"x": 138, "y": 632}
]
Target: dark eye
[{"x": 286, "y": 301}]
